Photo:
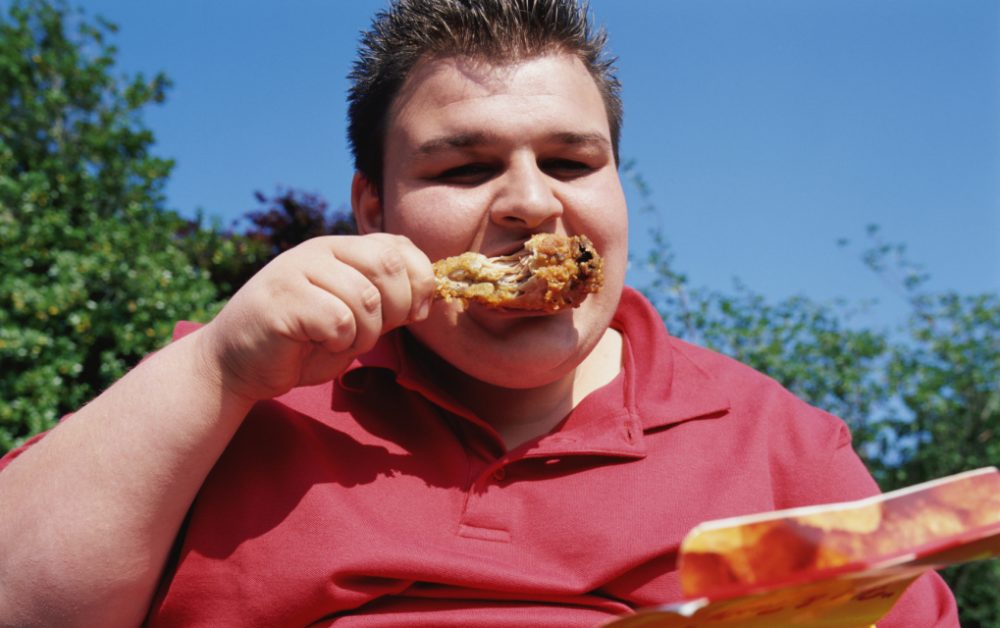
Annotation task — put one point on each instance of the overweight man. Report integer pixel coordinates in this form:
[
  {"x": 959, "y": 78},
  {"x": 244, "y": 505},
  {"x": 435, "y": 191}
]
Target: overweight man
[{"x": 338, "y": 447}]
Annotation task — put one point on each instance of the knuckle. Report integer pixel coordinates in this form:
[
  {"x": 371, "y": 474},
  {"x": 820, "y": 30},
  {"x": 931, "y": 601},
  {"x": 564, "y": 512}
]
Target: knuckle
[
  {"x": 343, "y": 324},
  {"x": 423, "y": 285},
  {"x": 392, "y": 261},
  {"x": 371, "y": 300},
  {"x": 400, "y": 240}
]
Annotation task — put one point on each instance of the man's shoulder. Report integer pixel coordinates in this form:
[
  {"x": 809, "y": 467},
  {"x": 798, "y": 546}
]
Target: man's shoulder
[
  {"x": 720, "y": 366},
  {"x": 754, "y": 394}
]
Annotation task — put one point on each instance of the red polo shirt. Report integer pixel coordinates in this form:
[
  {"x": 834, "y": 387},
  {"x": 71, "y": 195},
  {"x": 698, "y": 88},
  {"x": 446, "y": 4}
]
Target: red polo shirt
[{"x": 378, "y": 500}]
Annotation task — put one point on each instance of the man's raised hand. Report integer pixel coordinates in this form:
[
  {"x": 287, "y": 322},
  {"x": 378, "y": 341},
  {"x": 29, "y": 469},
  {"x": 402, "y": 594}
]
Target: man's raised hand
[{"x": 313, "y": 309}]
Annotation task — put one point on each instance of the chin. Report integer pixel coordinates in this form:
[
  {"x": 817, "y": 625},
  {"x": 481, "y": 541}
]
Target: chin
[{"x": 514, "y": 350}]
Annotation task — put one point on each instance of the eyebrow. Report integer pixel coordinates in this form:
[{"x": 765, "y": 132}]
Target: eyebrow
[
  {"x": 457, "y": 141},
  {"x": 460, "y": 141}
]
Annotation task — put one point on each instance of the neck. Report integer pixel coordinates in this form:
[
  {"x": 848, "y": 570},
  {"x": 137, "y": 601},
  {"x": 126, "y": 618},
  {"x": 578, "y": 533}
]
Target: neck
[{"x": 522, "y": 414}]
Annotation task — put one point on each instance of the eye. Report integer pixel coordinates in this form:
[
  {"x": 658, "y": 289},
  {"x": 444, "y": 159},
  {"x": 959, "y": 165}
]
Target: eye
[
  {"x": 565, "y": 168},
  {"x": 467, "y": 174}
]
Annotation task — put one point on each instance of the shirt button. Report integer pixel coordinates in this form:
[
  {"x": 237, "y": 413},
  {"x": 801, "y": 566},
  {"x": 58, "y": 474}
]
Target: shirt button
[{"x": 499, "y": 475}]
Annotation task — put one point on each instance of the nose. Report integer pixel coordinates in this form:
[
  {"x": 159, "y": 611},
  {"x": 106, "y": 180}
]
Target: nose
[{"x": 526, "y": 197}]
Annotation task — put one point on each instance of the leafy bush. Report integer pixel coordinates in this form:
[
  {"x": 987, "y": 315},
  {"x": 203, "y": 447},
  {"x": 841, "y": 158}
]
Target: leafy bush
[{"x": 91, "y": 275}]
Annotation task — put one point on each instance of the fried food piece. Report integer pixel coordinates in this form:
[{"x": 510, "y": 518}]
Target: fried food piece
[{"x": 550, "y": 273}]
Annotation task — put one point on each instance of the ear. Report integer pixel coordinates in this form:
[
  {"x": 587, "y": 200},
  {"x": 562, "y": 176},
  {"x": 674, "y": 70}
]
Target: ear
[{"x": 366, "y": 204}]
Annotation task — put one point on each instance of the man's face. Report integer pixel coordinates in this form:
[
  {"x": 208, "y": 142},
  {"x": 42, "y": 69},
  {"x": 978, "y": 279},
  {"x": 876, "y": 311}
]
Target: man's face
[{"x": 479, "y": 157}]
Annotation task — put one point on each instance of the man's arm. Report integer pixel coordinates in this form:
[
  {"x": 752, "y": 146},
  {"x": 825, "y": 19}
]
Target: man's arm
[{"x": 90, "y": 512}]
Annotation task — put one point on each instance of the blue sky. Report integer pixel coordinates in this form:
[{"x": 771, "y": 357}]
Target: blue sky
[{"x": 766, "y": 129}]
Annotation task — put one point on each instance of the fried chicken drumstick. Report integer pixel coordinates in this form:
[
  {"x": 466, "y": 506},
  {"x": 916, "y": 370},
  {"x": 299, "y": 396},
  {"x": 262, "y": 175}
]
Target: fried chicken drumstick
[{"x": 550, "y": 273}]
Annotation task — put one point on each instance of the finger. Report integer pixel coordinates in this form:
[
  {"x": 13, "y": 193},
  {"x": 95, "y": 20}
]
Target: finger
[
  {"x": 361, "y": 296},
  {"x": 392, "y": 278},
  {"x": 382, "y": 259},
  {"x": 328, "y": 322},
  {"x": 321, "y": 366},
  {"x": 420, "y": 274}
]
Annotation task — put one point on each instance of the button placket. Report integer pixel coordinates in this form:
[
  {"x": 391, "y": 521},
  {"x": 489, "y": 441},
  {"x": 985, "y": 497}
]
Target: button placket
[{"x": 484, "y": 517}]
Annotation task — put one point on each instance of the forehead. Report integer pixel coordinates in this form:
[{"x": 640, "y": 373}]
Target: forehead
[{"x": 554, "y": 92}]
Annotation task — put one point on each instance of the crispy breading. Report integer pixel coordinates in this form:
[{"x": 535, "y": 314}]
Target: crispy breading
[{"x": 550, "y": 273}]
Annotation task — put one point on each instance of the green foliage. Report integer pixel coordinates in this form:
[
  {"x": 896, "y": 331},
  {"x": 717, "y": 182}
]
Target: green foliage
[
  {"x": 945, "y": 378},
  {"x": 229, "y": 258},
  {"x": 948, "y": 379},
  {"x": 944, "y": 375},
  {"x": 94, "y": 270},
  {"x": 91, "y": 277}
]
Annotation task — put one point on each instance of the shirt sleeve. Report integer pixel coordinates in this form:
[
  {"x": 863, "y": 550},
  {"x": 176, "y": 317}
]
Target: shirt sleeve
[
  {"x": 927, "y": 603},
  {"x": 842, "y": 476},
  {"x": 811, "y": 461}
]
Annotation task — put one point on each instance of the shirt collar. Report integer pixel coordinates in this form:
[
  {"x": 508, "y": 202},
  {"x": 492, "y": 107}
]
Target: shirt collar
[
  {"x": 398, "y": 353},
  {"x": 664, "y": 384}
]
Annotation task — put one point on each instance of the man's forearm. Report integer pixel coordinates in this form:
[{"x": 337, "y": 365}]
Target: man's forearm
[{"x": 89, "y": 513}]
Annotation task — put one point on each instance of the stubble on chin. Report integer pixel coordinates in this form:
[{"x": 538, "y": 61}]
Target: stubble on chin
[{"x": 508, "y": 351}]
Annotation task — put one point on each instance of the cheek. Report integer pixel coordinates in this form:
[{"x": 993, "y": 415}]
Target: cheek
[
  {"x": 439, "y": 224},
  {"x": 608, "y": 229},
  {"x": 601, "y": 210}
]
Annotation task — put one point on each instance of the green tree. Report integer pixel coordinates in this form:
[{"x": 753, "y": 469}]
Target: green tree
[
  {"x": 944, "y": 377},
  {"x": 91, "y": 274},
  {"x": 947, "y": 376}
]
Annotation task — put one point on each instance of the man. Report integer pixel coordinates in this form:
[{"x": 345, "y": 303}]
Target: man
[{"x": 337, "y": 447}]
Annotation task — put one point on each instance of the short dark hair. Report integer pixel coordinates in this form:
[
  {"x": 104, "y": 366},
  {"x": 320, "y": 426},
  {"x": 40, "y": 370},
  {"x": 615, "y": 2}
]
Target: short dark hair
[{"x": 492, "y": 30}]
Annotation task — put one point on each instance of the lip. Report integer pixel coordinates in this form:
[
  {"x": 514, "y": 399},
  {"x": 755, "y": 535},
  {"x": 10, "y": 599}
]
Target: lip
[
  {"x": 502, "y": 312},
  {"x": 514, "y": 247}
]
